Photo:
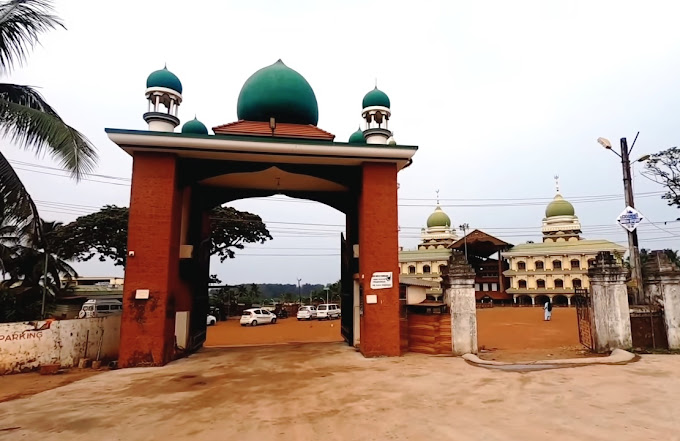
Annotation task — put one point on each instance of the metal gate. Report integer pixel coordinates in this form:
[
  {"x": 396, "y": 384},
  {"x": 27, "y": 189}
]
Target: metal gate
[
  {"x": 347, "y": 292},
  {"x": 584, "y": 317}
]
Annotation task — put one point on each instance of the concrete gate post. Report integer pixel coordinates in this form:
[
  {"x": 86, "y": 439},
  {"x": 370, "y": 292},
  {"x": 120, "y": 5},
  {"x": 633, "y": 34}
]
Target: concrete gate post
[
  {"x": 609, "y": 297},
  {"x": 458, "y": 282},
  {"x": 662, "y": 287}
]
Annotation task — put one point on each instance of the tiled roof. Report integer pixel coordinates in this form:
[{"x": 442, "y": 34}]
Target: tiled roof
[{"x": 282, "y": 130}]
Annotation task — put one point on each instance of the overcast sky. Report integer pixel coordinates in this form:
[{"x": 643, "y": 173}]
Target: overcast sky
[{"x": 499, "y": 96}]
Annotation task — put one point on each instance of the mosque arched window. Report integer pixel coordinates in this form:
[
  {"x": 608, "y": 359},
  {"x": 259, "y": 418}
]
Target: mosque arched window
[
  {"x": 521, "y": 265},
  {"x": 540, "y": 284},
  {"x": 539, "y": 265},
  {"x": 411, "y": 269},
  {"x": 442, "y": 269},
  {"x": 575, "y": 264},
  {"x": 426, "y": 269},
  {"x": 576, "y": 283},
  {"x": 557, "y": 264},
  {"x": 559, "y": 283},
  {"x": 522, "y": 284}
]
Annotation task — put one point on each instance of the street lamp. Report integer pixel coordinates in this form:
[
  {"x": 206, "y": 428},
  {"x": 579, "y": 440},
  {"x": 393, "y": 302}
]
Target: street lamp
[
  {"x": 327, "y": 289},
  {"x": 299, "y": 293},
  {"x": 465, "y": 228},
  {"x": 635, "y": 264}
]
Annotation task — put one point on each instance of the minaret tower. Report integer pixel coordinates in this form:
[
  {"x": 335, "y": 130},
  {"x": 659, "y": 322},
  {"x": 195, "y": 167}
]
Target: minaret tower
[
  {"x": 164, "y": 94},
  {"x": 376, "y": 113}
]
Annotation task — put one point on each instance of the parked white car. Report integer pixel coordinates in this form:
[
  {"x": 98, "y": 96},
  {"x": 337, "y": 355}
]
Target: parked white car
[
  {"x": 211, "y": 320},
  {"x": 257, "y": 316},
  {"x": 328, "y": 311},
  {"x": 306, "y": 313}
]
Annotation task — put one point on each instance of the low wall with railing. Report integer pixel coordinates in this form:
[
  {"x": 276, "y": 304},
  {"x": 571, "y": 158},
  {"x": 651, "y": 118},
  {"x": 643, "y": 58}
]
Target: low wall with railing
[{"x": 25, "y": 346}]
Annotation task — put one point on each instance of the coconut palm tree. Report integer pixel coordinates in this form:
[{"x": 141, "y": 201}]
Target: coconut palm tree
[{"x": 26, "y": 119}]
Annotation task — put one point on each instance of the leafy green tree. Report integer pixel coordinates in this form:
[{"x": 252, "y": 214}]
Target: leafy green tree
[
  {"x": 232, "y": 229},
  {"x": 664, "y": 168},
  {"x": 104, "y": 234},
  {"x": 26, "y": 118}
]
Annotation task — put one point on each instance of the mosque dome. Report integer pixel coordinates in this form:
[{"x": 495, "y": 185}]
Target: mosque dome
[
  {"x": 438, "y": 219},
  {"x": 559, "y": 207},
  {"x": 376, "y": 97},
  {"x": 164, "y": 78},
  {"x": 279, "y": 92},
  {"x": 357, "y": 137},
  {"x": 195, "y": 127}
]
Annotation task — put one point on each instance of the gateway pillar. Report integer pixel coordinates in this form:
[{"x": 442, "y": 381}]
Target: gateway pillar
[
  {"x": 379, "y": 252},
  {"x": 151, "y": 273}
]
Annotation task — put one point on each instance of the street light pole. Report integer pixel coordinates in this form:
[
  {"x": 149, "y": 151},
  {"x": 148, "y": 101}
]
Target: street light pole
[
  {"x": 299, "y": 292},
  {"x": 634, "y": 250},
  {"x": 326, "y": 288},
  {"x": 465, "y": 227}
]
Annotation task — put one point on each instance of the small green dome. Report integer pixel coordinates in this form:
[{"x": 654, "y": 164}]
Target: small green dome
[
  {"x": 279, "y": 92},
  {"x": 376, "y": 97},
  {"x": 559, "y": 207},
  {"x": 357, "y": 137},
  {"x": 164, "y": 78},
  {"x": 438, "y": 219},
  {"x": 195, "y": 126}
]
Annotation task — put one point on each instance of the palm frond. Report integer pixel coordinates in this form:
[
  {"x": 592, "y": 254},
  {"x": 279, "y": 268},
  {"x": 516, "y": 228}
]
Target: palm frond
[
  {"x": 27, "y": 120},
  {"x": 16, "y": 204},
  {"x": 21, "y": 22}
]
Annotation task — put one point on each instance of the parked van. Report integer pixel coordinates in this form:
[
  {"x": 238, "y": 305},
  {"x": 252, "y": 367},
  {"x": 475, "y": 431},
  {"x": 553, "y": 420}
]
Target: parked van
[
  {"x": 100, "y": 308},
  {"x": 328, "y": 311}
]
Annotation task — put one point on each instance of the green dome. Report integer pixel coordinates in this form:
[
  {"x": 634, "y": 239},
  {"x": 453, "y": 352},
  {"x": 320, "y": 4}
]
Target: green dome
[
  {"x": 376, "y": 98},
  {"x": 280, "y": 92},
  {"x": 438, "y": 219},
  {"x": 559, "y": 207},
  {"x": 164, "y": 78},
  {"x": 195, "y": 126},
  {"x": 357, "y": 137}
]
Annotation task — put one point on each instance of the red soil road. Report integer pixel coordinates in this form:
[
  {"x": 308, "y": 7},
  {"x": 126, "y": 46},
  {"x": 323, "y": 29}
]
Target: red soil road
[
  {"x": 513, "y": 334},
  {"x": 506, "y": 334},
  {"x": 231, "y": 333}
]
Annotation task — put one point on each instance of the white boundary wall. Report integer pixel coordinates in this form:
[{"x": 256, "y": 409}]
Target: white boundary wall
[{"x": 27, "y": 345}]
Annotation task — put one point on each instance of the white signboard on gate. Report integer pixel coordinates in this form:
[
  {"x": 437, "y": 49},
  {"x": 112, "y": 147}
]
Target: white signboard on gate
[
  {"x": 630, "y": 218},
  {"x": 381, "y": 280}
]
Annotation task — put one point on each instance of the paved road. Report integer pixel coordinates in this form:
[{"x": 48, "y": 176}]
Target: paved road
[{"x": 329, "y": 392}]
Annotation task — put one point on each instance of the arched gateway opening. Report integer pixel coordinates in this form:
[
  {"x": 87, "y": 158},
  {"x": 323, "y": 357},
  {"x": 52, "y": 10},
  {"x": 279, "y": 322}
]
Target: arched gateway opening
[{"x": 274, "y": 148}]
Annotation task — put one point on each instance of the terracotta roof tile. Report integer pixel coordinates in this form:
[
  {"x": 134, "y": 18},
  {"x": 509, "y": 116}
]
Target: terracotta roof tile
[{"x": 283, "y": 130}]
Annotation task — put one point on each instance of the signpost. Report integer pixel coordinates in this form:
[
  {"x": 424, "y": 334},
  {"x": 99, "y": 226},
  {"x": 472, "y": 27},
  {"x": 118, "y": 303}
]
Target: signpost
[
  {"x": 381, "y": 280},
  {"x": 630, "y": 218}
]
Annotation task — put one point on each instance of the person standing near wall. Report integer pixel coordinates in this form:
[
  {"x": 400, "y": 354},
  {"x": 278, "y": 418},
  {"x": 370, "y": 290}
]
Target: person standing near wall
[{"x": 547, "y": 310}]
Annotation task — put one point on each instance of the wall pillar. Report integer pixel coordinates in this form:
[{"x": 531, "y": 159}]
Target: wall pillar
[
  {"x": 148, "y": 325},
  {"x": 459, "y": 284},
  {"x": 609, "y": 297},
  {"x": 533, "y": 300},
  {"x": 568, "y": 300},
  {"x": 662, "y": 288},
  {"x": 379, "y": 252}
]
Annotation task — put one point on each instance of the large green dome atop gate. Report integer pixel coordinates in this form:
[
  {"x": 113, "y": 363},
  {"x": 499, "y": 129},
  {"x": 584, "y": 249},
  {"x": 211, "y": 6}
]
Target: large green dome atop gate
[
  {"x": 279, "y": 92},
  {"x": 559, "y": 207}
]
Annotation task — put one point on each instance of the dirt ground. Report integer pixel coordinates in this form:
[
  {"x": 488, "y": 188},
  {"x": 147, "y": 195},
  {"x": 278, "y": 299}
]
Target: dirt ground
[
  {"x": 329, "y": 391},
  {"x": 231, "y": 333},
  {"x": 31, "y": 383},
  {"x": 505, "y": 334},
  {"x": 520, "y": 334}
]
